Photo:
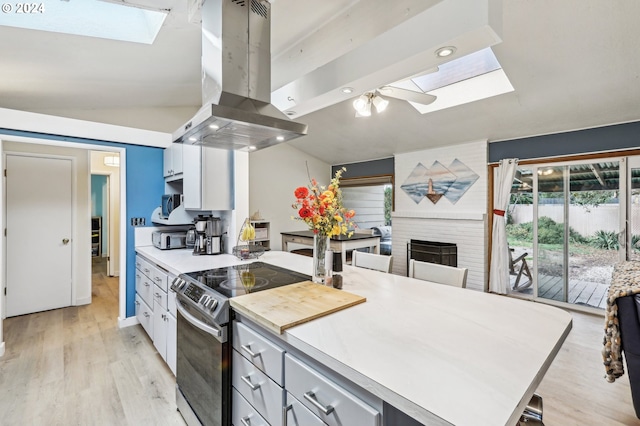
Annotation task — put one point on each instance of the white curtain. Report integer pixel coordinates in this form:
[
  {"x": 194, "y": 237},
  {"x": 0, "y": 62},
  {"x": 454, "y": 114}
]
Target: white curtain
[{"x": 499, "y": 272}]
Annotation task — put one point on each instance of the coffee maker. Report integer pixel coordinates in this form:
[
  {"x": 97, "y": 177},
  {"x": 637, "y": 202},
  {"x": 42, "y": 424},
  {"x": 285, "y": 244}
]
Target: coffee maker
[{"x": 208, "y": 235}]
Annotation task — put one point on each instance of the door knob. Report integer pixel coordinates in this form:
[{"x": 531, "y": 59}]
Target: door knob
[{"x": 65, "y": 241}]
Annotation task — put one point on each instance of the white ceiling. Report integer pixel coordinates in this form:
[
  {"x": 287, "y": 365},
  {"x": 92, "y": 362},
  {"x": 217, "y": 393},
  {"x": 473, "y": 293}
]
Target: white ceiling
[{"x": 573, "y": 64}]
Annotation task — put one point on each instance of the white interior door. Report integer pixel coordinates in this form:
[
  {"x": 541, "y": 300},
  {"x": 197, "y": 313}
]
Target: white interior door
[{"x": 39, "y": 219}]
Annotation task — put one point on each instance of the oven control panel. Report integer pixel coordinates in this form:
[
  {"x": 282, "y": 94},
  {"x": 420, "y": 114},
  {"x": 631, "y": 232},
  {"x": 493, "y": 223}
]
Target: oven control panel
[{"x": 193, "y": 292}]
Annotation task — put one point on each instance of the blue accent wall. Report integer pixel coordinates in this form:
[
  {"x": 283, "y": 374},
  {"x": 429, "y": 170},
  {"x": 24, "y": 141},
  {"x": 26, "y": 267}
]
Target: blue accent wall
[
  {"x": 616, "y": 137},
  {"x": 144, "y": 185},
  {"x": 384, "y": 166}
]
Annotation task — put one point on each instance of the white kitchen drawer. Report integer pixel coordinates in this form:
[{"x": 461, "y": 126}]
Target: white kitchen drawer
[
  {"x": 144, "y": 287},
  {"x": 144, "y": 266},
  {"x": 242, "y": 413},
  {"x": 335, "y": 405},
  {"x": 160, "y": 297},
  {"x": 299, "y": 415},
  {"x": 263, "y": 353},
  {"x": 266, "y": 397},
  {"x": 160, "y": 277},
  {"x": 145, "y": 315}
]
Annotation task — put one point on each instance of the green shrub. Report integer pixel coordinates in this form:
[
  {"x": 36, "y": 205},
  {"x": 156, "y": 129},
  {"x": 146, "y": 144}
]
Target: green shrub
[
  {"x": 549, "y": 232},
  {"x": 635, "y": 242},
  {"x": 607, "y": 240}
]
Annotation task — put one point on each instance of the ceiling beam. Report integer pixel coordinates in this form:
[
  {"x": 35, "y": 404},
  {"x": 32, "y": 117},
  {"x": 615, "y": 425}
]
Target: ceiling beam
[{"x": 401, "y": 52}]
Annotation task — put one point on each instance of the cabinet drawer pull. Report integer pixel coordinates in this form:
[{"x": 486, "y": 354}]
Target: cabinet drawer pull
[
  {"x": 146, "y": 284},
  {"x": 248, "y": 382},
  {"x": 285, "y": 410},
  {"x": 146, "y": 314},
  {"x": 147, "y": 270},
  {"x": 247, "y": 349},
  {"x": 246, "y": 421},
  {"x": 311, "y": 397},
  {"x": 158, "y": 295},
  {"x": 138, "y": 276},
  {"x": 158, "y": 279}
]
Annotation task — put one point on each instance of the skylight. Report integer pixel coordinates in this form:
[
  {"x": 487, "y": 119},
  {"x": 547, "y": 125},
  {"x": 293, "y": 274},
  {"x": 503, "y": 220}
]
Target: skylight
[
  {"x": 92, "y": 18},
  {"x": 467, "y": 79}
]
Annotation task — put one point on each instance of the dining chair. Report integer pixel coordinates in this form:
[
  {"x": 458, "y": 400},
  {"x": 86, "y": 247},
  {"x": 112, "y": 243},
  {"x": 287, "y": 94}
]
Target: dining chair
[
  {"x": 436, "y": 273},
  {"x": 366, "y": 260}
]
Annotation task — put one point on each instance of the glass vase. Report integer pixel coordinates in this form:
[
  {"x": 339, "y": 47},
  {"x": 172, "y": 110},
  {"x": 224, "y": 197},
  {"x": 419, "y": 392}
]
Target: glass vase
[{"x": 320, "y": 247}]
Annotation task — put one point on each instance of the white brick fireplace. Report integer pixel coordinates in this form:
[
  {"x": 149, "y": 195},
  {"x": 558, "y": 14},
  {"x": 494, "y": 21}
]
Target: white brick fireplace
[{"x": 460, "y": 221}]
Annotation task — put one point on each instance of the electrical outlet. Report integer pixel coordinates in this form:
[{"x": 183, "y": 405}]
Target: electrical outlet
[{"x": 137, "y": 221}]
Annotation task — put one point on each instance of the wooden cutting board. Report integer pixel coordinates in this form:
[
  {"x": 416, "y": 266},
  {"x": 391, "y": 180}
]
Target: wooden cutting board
[{"x": 284, "y": 307}]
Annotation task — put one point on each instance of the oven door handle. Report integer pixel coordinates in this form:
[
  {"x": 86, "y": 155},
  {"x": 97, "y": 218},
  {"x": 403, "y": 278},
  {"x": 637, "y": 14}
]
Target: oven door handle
[{"x": 196, "y": 322}]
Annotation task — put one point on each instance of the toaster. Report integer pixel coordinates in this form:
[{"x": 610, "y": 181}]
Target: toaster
[{"x": 169, "y": 240}]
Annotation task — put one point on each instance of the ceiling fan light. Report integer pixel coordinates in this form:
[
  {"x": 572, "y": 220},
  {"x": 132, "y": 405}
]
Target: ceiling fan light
[
  {"x": 380, "y": 103},
  {"x": 365, "y": 112},
  {"x": 361, "y": 103}
]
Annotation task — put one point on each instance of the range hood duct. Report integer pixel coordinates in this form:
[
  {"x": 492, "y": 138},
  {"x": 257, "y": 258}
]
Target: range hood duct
[{"x": 236, "y": 81}]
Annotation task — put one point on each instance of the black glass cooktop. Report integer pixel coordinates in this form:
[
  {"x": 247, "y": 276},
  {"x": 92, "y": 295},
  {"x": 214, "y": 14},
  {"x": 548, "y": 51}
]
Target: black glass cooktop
[{"x": 247, "y": 278}]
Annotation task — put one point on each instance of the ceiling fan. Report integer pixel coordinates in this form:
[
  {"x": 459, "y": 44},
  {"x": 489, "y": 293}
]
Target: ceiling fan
[{"x": 363, "y": 103}]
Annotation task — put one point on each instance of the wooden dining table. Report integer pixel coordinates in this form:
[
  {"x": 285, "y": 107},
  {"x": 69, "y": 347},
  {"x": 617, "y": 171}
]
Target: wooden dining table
[{"x": 339, "y": 243}]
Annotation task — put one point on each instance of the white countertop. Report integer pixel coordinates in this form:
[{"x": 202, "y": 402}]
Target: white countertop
[{"x": 443, "y": 355}]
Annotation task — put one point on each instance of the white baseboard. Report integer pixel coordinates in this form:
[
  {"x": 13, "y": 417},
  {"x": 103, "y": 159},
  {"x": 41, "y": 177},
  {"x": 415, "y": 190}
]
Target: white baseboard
[
  {"x": 83, "y": 301},
  {"x": 127, "y": 322},
  {"x": 1, "y": 349}
]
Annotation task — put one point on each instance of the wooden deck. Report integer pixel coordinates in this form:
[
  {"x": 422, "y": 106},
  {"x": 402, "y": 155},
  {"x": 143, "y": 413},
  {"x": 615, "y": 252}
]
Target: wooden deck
[{"x": 580, "y": 292}]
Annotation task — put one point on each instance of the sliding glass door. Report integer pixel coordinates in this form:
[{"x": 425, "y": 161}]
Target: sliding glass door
[{"x": 575, "y": 229}]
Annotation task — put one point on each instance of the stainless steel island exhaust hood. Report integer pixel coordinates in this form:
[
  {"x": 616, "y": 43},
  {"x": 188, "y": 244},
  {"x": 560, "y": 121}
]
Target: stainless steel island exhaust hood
[{"x": 236, "y": 81}]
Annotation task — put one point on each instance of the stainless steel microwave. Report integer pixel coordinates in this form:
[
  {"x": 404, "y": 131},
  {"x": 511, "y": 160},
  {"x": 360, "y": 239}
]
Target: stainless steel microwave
[{"x": 169, "y": 203}]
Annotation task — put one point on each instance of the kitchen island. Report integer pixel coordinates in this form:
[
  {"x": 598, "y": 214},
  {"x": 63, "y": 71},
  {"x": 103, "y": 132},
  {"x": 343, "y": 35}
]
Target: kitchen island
[{"x": 442, "y": 355}]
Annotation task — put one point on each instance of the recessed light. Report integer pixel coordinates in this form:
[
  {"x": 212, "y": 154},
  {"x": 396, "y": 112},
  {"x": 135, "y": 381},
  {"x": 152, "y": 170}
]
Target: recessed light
[
  {"x": 290, "y": 112},
  {"x": 443, "y": 52},
  {"x": 193, "y": 139},
  {"x": 251, "y": 148},
  {"x": 280, "y": 138},
  {"x": 347, "y": 90},
  {"x": 214, "y": 126}
]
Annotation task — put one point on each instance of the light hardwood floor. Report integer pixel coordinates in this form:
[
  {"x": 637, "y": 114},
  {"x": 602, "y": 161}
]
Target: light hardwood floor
[{"x": 73, "y": 366}]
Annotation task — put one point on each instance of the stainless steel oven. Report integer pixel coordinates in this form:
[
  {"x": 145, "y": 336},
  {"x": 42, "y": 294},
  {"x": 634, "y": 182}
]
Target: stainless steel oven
[
  {"x": 203, "y": 377},
  {"x": 203, "y": 373}
]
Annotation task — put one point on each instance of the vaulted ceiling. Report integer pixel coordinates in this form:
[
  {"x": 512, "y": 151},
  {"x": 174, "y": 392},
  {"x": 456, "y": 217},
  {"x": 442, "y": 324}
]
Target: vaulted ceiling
[{"x": 572, "y": 63}]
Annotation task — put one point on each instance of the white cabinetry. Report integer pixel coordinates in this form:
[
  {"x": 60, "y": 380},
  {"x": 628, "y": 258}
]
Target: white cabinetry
[
  {"x": 208, "y": 178},
  {"x": 270, "y": 384},
  {"x": 155, "y": 308},
  {"x": 173, "y": 161}
]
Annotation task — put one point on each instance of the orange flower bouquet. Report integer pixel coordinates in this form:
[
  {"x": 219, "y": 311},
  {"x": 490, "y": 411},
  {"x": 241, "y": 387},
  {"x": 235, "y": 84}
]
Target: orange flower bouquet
[{"x": 322, "y": 210}]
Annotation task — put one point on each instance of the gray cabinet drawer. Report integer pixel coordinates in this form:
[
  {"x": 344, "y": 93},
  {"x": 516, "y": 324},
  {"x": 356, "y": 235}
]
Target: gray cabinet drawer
[
  {"x": 263, "y": 353},
  {"x": 160, "y": 297},
  {"x": 242, "y": 413},
  {"x": 144, "y": 287},
  {"x": 335, "y": 405},
  {"x": 144, "y": 266},
  {"x": 145, "y": 315},
  {"x": 299, "y": 415},
  {"x": 159, "y": 278},
  {"x": 266, "y": 396}
]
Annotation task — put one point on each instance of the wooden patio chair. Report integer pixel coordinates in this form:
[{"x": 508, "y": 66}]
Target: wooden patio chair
[{"x": 519, "y": 267}]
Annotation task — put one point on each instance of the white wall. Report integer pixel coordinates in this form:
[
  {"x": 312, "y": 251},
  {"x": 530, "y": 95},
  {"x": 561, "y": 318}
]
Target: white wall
[
  {"x": 98, "y": 167},
  {"x": 462, "y": 223},
  {"x": 81, "y": 260},
  {"x": 274, "y": 174}
]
